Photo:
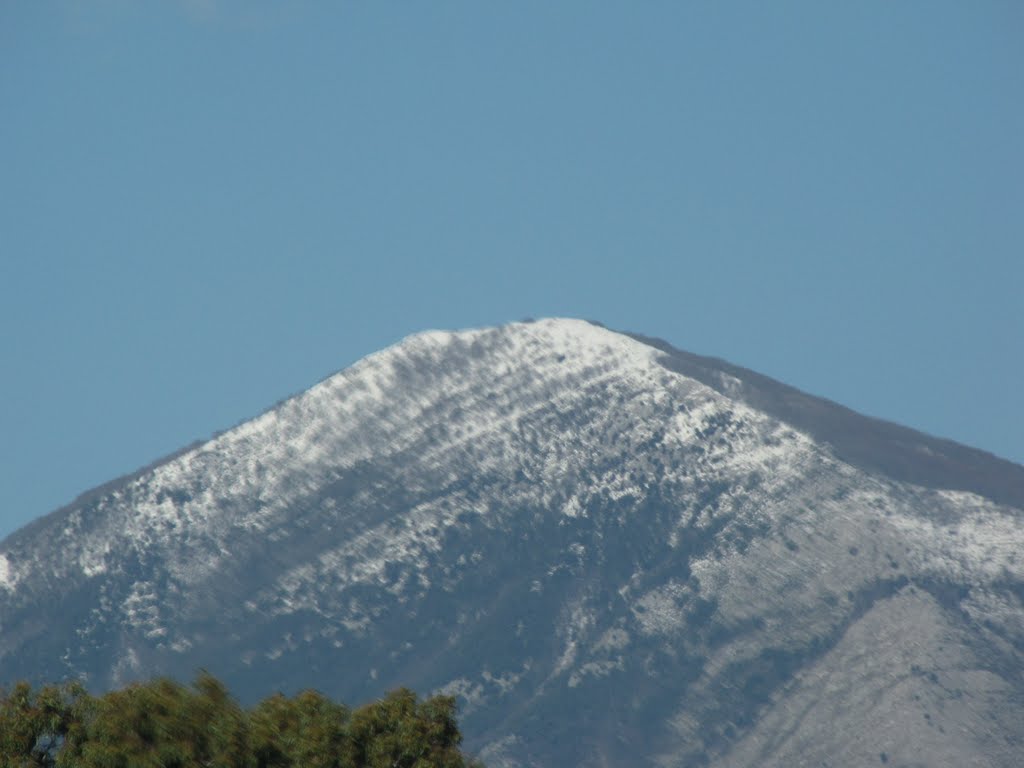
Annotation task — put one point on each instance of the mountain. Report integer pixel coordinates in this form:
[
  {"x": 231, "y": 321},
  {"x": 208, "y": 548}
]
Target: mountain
[{"x": 615, "y": 553}]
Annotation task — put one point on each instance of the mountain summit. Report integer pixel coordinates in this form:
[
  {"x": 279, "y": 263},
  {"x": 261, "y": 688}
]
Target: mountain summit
[{"x": 613, "y": 553}]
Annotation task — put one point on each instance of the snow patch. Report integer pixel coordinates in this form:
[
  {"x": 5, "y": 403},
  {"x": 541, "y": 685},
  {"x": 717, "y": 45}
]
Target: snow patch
[
  {"x": 8, "y": 577},
  {"x": 659, "y": 611}
]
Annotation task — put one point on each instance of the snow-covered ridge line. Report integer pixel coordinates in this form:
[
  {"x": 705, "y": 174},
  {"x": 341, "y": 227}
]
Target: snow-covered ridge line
[
  {"x": 367, "y": 411},
  {"x": 362, "y": 412}
]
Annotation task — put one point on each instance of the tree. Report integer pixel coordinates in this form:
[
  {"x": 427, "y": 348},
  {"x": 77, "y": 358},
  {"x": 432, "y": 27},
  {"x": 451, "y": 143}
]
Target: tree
[
  {"x": 162, "y": 724},
  {"x": 401, "y": 732},
  {"x": 36, "y": 725},
  {"x": 309, "y": 730}
]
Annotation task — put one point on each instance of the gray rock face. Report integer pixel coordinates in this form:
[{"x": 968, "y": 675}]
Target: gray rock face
[{"x": 613, "y": 552}]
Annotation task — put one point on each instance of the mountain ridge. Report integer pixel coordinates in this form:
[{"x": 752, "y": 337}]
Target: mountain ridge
[
  {"x": 950, "y": 460},
  {"x": 705, "y": 368}
]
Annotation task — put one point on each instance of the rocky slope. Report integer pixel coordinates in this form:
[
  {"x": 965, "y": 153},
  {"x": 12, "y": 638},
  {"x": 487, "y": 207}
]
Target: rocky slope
[{"x": 613, "y": 552}]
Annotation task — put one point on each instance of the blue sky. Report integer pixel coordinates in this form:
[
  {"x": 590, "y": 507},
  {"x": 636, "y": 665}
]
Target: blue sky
[{"x": 207, "y": 206}]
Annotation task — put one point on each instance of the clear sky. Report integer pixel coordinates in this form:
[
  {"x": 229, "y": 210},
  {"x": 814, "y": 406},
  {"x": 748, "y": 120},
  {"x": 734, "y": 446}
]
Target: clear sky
[{"x": 207, "y": 206}]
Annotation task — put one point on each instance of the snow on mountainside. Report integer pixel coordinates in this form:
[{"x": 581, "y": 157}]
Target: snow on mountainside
[{"x": 613, "y": 552}]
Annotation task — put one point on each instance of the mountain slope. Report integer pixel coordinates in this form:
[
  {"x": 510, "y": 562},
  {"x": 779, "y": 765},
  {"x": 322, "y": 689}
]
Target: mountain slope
[{"x": 613, "y": 552}]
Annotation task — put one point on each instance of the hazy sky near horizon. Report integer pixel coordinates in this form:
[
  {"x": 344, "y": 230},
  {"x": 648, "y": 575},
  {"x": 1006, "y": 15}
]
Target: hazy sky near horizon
[{"x": 207, "y": 206}]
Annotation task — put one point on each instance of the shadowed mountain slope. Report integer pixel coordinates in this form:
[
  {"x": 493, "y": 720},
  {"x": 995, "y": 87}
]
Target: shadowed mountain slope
[{"x": 874, "y": 445}]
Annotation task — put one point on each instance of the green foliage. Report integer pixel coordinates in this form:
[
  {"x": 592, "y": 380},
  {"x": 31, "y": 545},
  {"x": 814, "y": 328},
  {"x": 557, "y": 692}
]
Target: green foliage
[
  {"x": 401, "y": 732},
  {"x": 162, "y": 724},
  {"x": 309, "y": 730},
  {"x": 35, "y": 725}
]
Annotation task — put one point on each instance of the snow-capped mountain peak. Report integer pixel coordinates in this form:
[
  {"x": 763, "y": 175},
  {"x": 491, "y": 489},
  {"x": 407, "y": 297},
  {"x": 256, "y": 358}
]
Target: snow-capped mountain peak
[{"x": 610, "y": 550}]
